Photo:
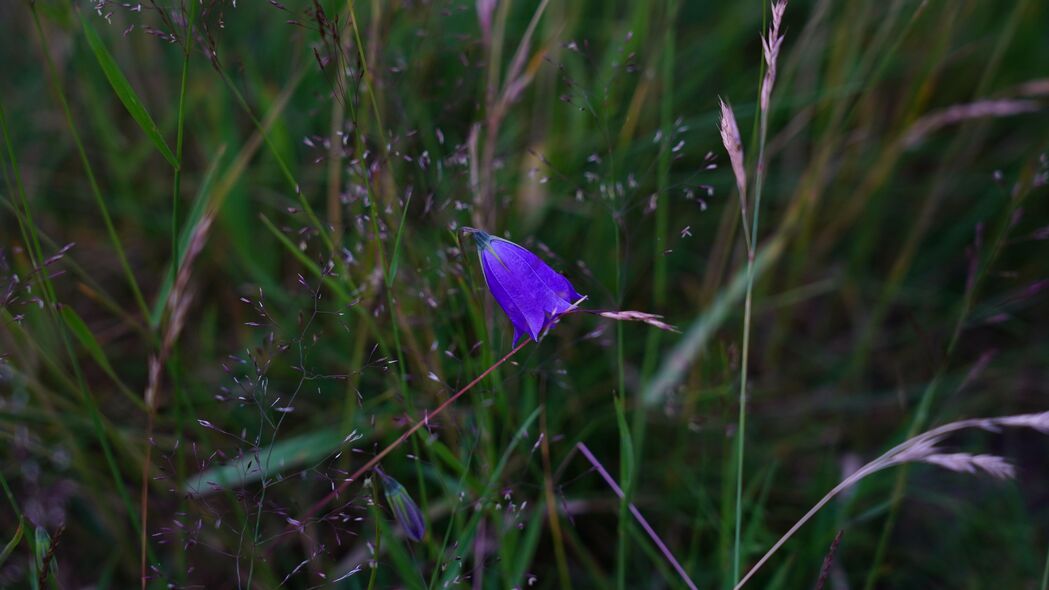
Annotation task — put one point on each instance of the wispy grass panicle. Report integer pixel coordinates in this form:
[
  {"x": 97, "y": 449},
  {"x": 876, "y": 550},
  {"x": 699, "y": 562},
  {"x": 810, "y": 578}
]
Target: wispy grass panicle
[{"x": 654, "y": 320}]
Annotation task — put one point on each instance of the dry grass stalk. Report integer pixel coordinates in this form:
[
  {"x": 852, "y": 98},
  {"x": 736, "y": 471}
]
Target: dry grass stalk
[
  {"x": 639, "y": 316},
  {"x": 498, "y": 99},
  {"x": 771, "y": 45},
  {"x": 1039, "y": 87},
  {"x": 177, "y": 308},
  {"x": 828, "y": 561},
  {"x": 963, "y": 112},
  {"x": 923, "y": 448},
  {"x": 637, "y": 515},
  {"x": 485, "y": 8}
]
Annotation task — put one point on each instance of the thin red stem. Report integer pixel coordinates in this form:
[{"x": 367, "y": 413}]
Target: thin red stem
[
  {"x": 144, "y": 505},
  {"x": 426, "y": 419}
]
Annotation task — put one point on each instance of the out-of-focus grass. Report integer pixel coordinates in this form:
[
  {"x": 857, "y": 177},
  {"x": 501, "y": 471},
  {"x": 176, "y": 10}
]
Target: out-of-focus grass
[{"x": 318, "y": 181}]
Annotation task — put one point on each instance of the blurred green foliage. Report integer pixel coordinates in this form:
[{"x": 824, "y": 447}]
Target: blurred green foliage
[{"x": 263, "y": 286}]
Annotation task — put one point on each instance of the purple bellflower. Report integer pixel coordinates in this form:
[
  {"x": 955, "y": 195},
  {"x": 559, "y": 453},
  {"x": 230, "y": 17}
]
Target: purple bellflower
[{"x": 532, "y": 294}]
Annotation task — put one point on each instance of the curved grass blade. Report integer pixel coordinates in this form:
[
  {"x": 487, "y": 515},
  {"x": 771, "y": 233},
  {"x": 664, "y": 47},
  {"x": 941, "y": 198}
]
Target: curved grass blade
[
  {"x": 396, "y": 258},
  {"x": 87, "y": 339},
  {"x": 466, "y": 536},
  {"x": 283, "y": 456},
  {"x": 15, "y": 540},
  {"x": 125, "y": 92},
  {"x": 703, "y": 327},
  {"x": 205, "y": 199}
]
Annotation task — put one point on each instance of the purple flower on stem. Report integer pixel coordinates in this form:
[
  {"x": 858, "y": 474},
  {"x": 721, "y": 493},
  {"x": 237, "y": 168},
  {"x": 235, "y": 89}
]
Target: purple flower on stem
[{"x": 532, "y": 294}]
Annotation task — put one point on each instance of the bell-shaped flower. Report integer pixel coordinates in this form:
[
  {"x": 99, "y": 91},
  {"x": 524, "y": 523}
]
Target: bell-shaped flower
[{"x": 532, "y": 294}]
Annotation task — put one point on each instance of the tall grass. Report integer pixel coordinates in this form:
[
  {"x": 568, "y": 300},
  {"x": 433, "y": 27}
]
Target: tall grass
[{"x": 230, "y": 287}]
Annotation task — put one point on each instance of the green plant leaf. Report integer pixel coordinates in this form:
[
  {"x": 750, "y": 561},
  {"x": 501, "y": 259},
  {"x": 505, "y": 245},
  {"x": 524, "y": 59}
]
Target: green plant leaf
[
  {"x": 43, "y": 547},
  {"x": 206, "y": 197},
  {"x": 281, "y": 456},
  {"x": 86, "y": 338},
  {"x": 396, "y": 258},
  {"x": 466, "y": 536},
  {"x": 125, "y": 92},
  {"x": 15, "y": 540},
  {"x": 684, "y": 353}
]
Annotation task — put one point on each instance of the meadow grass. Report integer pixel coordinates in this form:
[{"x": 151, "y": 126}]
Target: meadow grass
[{"x": 231, "y": 284}]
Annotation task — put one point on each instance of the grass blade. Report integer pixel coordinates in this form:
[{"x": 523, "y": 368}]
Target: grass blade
[
  {"x": 86, "y": 338},
  {"x": 15, "y": 540},
  {"x": 465, "y": 540},
  {"x": 283, "y": 456},
  {"x": 703, "y": 327},
  {"x": 44, "y": 554},
  {"x": 396, "y": 257},
  {"x": 205, "y": 197},
  {"x": 125, "y": 92}
]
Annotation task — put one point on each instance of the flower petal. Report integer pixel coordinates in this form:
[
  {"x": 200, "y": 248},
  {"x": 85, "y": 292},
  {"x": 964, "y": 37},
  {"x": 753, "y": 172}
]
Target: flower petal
[
  {"x": 516, "y": 294},
  {"x": 549, "y": 290},
  {"x": 510, "y": 307},
  {"x": 552, "y": 280}
]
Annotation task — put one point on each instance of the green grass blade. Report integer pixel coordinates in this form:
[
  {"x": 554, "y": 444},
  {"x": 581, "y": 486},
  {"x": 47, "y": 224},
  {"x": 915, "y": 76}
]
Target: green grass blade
[
  {"x": 15, "y": 540},
  {"x": 396, "y": 257},
  {"x": 626, "y": 465},
  {"x": 1045, "y": 573},
  {"x": 282, "y": 456},
  {"x": 703, "y": 327},
  {"x": 205, "y": 198},
  {"x": 86, "y": 338},
  {"x": 125, "y": 92},
  {"x": 525, "y": 552},
  {"x": 56, "y": 85},
  {"x": 46, "y": 564},
  {"x": 466, "y": 536}
]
